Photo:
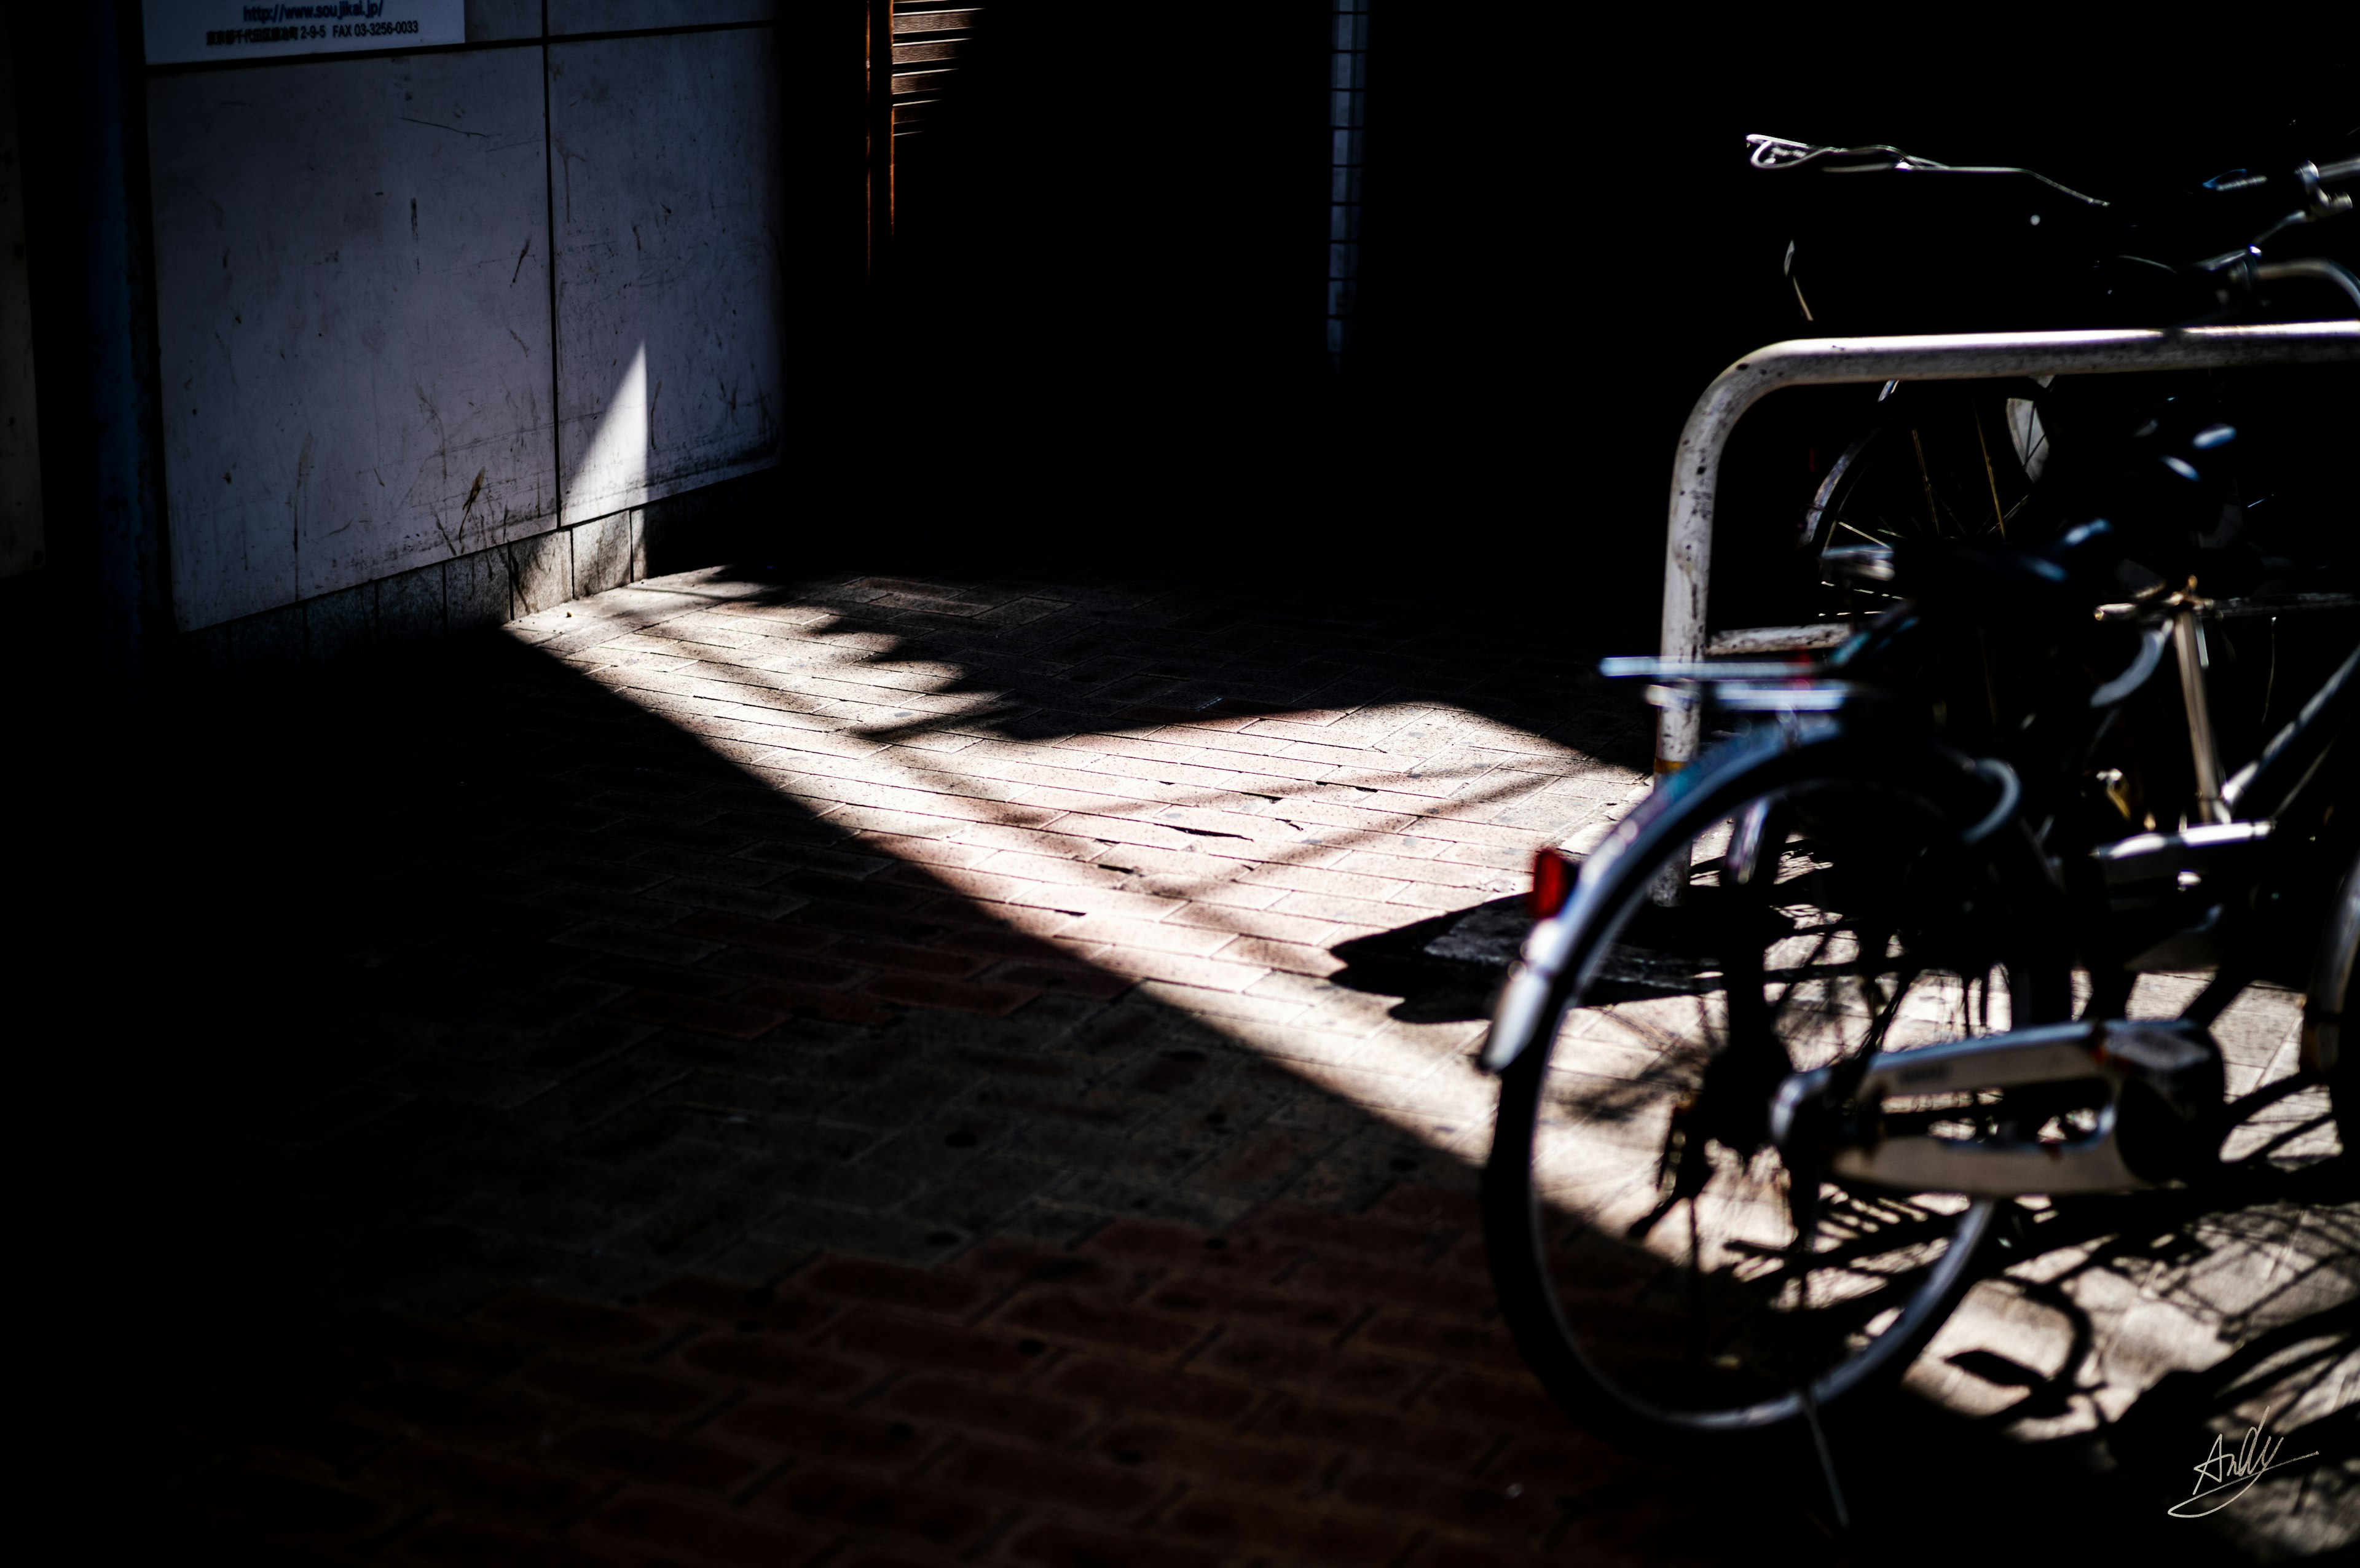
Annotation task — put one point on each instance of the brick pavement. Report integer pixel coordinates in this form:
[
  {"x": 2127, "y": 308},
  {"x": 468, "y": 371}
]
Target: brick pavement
[
  {"x": 861, "y": 1071},
  {"x": 859, "y": 1079}
]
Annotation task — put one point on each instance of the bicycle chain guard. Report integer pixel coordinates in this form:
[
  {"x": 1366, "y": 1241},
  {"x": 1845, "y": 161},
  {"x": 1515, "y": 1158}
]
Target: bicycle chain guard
[{"x": 2158, "y": 1085}]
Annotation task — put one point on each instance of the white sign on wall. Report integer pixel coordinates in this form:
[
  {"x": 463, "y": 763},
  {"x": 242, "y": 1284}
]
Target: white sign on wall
[{"x": 209, "y": 32}]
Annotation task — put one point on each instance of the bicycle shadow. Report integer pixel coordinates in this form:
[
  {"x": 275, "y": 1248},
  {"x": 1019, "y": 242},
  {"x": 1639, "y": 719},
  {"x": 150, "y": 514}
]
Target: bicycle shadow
[
  {"x": 2120, "y": 1355},
  {"x": 2157, "y": 1348}
]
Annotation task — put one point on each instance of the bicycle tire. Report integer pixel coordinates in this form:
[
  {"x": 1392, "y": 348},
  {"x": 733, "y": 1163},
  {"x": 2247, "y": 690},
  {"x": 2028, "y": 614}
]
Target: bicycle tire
[
  {"x": 1939, "y": 460},
  {"x": 2327, "y": 1003},
  {"x": 1581, "y": 1232}
]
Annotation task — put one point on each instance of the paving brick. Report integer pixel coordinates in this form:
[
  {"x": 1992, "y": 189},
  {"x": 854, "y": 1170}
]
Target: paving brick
[
  {"x": 1238, "y": 921},
  {"x": 911, "y": 1289},
  {"x": 825, "y": 887},
  {"x": 908, "y": 1341},
  {"x": 1263, "y": 1162},
  {"x": 1051, "y": 868},
  {"x": 1067, "y": 1316},
  {"x": 905, "y": 957},
  {"x": 467, "y": 1543},
  {"x": 730, "y": 972},
  {"x": 1359, "y": 1236},
  {"x": 767, "y": 1362},
  {"x": 824, "y": 1497},
  {"x": 1205, "y": 1458},
  {"x": 752, "y": 1309},
  {"x": 1434, "y": 1207},
  {"x": 1513, "y": 1402},
  {"x": 1368, "y": 914},
  {"x": 1446, "y": 1447},
  {"x": 721, "y": 926},
  {"x": 1444, "y": 1551},
  {"x": 696, "y": 981},
  {"x": 918, "y": 850},
  {"x": 865, "y": 1438},
  {"x": 1302, "y": 1533},
  {"x": 1064, "y": 1546},
  {"x": 1496, "y": 1508},
  {"x": 1213, "y": 1298},
  {"x": 985, "y": 1408},
  {"x": 990, "y": 998},
  {"x": 628, "y": 942},
  {"x": 1170, "y": 1395},
  {"x": 1204, "y": 973},
  {"x": 478, "y": 1484},
  {"x": 1307, "y": 1365},
  {"x": 1150, "y": 936},
  {"x": 1193, "y": 1250},
  {"x": 1061, "y": 1481},
  {"x": 1293, "y": 958},
  {"x": 693, "y": 1463},
  {"x": 1457, "y": 1344},
  {"x": 453, "y": 1415},
  {"x": 703, "y": 1536},
  {"x": 629, "y": 1393},
  {"x": 815, "y": 1001},
  {"x": 733, "y": 1021},
  {"x": 1064, "y": 979},
  {"x": 1012, "y": 1262},
  {"x": 1002, "y": 941}
]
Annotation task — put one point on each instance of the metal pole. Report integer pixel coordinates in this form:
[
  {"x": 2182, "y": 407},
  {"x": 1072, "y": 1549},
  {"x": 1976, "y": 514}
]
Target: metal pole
[
  {"x": 92, "y": 276},
  {"x": 1815, "y": 362}
]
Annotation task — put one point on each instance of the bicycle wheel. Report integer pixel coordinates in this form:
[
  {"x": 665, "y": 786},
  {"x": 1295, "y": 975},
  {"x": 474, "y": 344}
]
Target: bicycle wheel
[
  {"x": 2327, "y": 1003},
  {"x": 1943, "y": 460},
  {"x": 1665, "y": 1273}
]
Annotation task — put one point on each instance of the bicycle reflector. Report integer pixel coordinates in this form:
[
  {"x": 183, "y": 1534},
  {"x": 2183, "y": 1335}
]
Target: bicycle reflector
[{"x": 1553, "y": 876}]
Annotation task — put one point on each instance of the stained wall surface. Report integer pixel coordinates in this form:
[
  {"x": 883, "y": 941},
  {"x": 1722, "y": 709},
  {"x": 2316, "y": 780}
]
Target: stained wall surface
[
  {"x": 668, "y": 298},
  {"x": 414, "y": 306}
]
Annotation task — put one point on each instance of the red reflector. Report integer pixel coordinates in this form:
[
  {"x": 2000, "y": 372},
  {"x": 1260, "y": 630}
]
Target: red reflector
[{"x": 1553, "y": 876}]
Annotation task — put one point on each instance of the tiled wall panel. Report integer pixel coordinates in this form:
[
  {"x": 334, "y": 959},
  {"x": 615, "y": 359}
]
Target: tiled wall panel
[
  {"x": 669, "y": 223},
  {"x": 353, "y": 313}
]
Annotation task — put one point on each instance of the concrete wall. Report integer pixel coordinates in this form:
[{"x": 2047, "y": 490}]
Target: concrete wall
[{"x": 436, "y": 329}]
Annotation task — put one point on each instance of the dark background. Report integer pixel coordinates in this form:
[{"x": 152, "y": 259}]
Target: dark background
[{"x": 1106, "y": 327}]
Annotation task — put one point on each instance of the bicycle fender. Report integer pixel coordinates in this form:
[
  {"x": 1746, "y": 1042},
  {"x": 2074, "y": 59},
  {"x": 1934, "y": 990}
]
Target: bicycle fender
[
  {"x": 1532, "y": 980},
  {"x": 1561, "y": 949}
]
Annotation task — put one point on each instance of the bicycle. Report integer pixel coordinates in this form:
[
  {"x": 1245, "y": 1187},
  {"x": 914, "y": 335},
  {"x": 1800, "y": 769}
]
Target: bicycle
[
  {"x": 1968, "y": 460},
  {"x": 1843, "y": 950}
]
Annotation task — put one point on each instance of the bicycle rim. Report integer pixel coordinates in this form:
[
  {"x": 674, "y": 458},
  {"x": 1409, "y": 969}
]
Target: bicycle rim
[{"x": 1646, "y": 1236}]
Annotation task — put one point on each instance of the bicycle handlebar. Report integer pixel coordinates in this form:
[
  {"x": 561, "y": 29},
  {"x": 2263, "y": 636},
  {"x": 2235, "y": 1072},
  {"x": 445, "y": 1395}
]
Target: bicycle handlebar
[
  {"x": 1776, "y": 152},
  {"x": 2337, "y": 173}
]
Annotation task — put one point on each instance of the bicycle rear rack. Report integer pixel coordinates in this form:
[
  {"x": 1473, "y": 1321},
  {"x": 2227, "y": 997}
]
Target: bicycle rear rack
[{"x": 1819, "y": 362}]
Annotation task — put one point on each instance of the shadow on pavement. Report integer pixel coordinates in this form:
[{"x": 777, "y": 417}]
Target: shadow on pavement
[{"x": 558, "y": 1144}]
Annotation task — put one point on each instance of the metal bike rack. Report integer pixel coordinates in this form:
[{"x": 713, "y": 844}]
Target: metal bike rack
[{"x": 1819, "y": 362}]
